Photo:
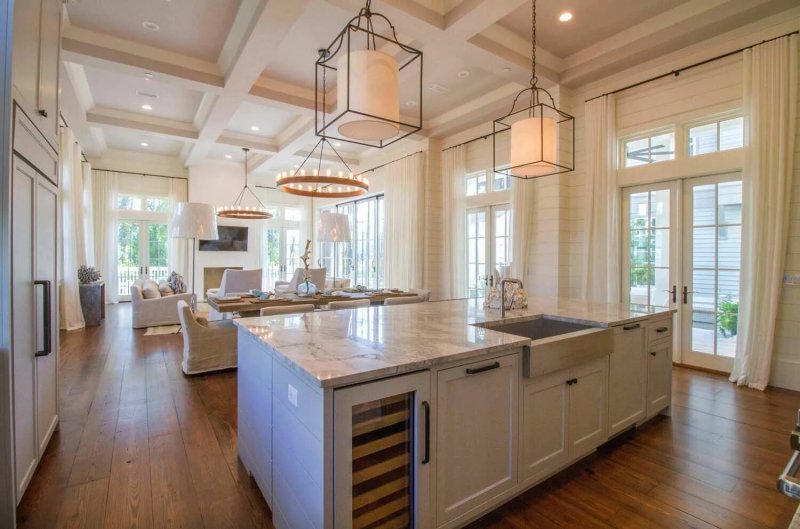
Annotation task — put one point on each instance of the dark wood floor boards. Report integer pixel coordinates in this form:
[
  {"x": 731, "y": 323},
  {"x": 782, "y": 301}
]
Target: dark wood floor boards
[{"x": 142, "y": 446}]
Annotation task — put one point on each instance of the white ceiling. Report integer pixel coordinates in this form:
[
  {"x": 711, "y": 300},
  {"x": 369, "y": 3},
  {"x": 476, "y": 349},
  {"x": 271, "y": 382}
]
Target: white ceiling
[
  {"x": 111, "y": 89},
  {"x": 196, "y": 28},
  {"x": 220, "y": 67},
  {"x": 593, "y": 21}
]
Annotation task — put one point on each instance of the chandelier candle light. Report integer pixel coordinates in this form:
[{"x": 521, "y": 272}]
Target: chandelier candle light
[
  {"x": 366, "y": 63},
  {"x": 319, "y": 182},
  {"x": 542, "y": 136},
  {"x": 238, "y": 210}
]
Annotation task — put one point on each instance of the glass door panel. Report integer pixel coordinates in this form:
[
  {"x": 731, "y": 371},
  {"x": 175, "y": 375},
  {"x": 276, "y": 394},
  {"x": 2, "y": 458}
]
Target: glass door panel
[
  {"x": 157, "y": 247},
  {"x": 712, "y": 257},
  {"x": 273, "y": 263},
  {"x": 293, "y": 249},
  {"x": 129, "y": 262},
  {"x": 476, "y": 252}
]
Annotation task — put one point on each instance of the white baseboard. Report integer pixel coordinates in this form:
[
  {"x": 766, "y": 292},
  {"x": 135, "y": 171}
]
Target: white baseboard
[{"x": 785, "y": 373}]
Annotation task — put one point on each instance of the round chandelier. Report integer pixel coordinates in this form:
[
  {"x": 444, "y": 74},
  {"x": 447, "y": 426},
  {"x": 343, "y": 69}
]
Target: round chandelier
[
  {"x": 238, "y": 210},
  {"x": 316, "y": 182},
  {"x": 542, "y": 136}
]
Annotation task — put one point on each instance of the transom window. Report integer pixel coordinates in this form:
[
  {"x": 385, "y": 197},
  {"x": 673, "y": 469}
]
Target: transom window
[
  {"x": 143, "y": 203},
  {"x": 651, "y": 149},
  {"x": 722, "y": 135},
  {"x": 482, "y": 182}
]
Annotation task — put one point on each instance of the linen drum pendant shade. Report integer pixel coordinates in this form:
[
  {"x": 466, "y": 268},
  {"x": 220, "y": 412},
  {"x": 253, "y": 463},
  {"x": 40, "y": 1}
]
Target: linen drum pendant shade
[
  {"x": 193, "y": 220},
  {"x": 369, "y": 78},
  {"x": 333, "y": 227},
  {"x": 534, "y": 142}
]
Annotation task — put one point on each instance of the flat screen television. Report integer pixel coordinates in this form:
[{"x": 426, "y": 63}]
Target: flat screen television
[{"x": 231, "y": 239}]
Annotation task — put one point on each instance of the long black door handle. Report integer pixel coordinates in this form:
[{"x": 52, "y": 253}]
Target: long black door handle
[
  {"x": 686, "y": 293},
  {"x": 476, "y": 370},
  {"x": 48, "y": 334},
  {"x": 427, "y": 419}
]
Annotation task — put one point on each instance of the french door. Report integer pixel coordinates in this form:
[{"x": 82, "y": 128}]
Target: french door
[
  {"x": 142, "y": 248},
  {"x": 488, "y": 246},
  {"x": 283, "y": 250},
  {"x": 682, "y": 249}
]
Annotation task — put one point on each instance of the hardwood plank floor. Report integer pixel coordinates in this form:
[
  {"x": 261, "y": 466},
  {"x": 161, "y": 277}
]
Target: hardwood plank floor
[{"x": 142, "y": 446}]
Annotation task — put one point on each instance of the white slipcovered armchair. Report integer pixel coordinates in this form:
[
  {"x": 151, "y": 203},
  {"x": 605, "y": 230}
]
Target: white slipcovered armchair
[
  {"x": 317, "y": 276},
  {"x": 206, "y": 348},
  {"x": 155, "y": 311},
  {"x": 234, "y": 282}
]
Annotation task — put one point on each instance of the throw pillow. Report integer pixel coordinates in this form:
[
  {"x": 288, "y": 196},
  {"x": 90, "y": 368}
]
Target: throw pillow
[
  {"x": 150, "y": 289},
  {"x": 177, "y": 283},
  {"x": 165, "y": 288}
]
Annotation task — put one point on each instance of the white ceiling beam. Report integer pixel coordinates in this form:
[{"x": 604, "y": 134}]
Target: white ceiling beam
[
  {"x": 92, "y": 48},
  {"x": 151, "y": 124},
  {"x": 254, "y": 143},
  {"x": 484, "y": 108},
  {"x": 271, "y": 21},
  {"x": 471, "y": 17}
]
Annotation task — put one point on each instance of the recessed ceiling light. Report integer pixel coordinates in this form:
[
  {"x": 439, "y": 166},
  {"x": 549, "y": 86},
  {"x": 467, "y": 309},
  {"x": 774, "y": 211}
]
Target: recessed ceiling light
[
  {"x": 228, "y": 156},
  {"x": 463, "y": 74},
  {"x": 296, "y": 166},
  {"x": 150, "y": 26},
  {"x": 566, "y": 16},
  {"x": 506, "y": 70},
  {"x": 146, "y": 94},
  {"x": 144, "y": 144},
  {"x": 337, "y": 144},
  {"x": 147, "y": 107},
  {"x": 148, "y": 76},
  {"x": 411, "y": 103},
  {"x": 254, "y": 128}
]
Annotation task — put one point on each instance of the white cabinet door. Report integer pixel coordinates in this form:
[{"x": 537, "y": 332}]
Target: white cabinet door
[
  {"x": 49, "y": 50},
  {"x": 659, "y": 377},
  {"x": 544, "y": 425},
  {"x": 587, "y": 407},
  {"x": 476, "y": 434},
  {"x": 382, "y": 453},
  {"x": 23, "y": 339},
  {"x": 25, "y": 75},
  {"x": 46, "y": 319},
  {"x": 627, "y": 378}
]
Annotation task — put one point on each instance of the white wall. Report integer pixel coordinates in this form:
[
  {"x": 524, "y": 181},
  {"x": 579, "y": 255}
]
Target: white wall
[{"x": 218, "y": 184}]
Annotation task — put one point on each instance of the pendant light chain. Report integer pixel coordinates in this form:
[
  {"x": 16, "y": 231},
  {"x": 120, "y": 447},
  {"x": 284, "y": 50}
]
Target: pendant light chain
[{"x": 534, "y": 79}]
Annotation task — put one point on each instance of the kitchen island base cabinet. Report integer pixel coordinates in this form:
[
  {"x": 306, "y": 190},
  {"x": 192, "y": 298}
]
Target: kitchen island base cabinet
[
  {"x": 476, "y": 435},
  {"x": 564, "y": 418},
  {"x": 659, "y": 378},
  {"x": 382, "y": 453},
  {"x": 627, "y": 383}
]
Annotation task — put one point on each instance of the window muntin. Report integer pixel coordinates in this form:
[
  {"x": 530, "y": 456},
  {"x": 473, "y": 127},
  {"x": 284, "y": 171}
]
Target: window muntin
[
  {"x": 651, "y": 149},
  {"x": 722, "y": 135},
  {"x": 482, "y": 182}
]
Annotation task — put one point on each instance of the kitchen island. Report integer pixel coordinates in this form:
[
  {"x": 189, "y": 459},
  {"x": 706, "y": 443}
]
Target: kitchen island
[{"x": 430, "y": 415}]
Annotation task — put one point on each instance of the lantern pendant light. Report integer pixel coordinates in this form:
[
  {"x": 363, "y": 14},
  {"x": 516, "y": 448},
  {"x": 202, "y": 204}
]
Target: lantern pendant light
[
  {"x": 240, "y": 211},
  {"x": 365, "y": 63},
  {"x": 542, "y": 136},
  {"x": 319, "y": 182}
]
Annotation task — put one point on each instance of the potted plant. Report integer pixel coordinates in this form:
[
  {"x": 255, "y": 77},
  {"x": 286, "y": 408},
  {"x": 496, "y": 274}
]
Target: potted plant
[{"x": 728, "y": 317}]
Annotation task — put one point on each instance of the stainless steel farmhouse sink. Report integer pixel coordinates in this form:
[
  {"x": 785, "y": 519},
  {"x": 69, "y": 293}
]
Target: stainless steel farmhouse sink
[{"x": 556, "y": 344}]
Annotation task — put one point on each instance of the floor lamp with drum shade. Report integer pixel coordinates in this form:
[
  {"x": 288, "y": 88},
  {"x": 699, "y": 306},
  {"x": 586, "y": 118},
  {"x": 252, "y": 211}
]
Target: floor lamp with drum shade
[
  {"x": 335, "y": 228},
  {"x": 194, "y": 220}
]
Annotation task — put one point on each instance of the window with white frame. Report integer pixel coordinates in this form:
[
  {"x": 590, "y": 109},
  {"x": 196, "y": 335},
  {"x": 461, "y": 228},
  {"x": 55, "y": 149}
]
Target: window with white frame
[
  {"x": 720, "y": 135},
  {"x": 282, "y": 244},
  {"x": 362, "y": 259},
  {"x": 482, "y": 182},
  {"x": 654, "y": 148}
]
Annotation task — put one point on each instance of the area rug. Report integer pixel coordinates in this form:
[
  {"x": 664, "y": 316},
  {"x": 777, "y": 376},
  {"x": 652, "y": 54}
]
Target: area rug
[{"x": 163, "y": 329}]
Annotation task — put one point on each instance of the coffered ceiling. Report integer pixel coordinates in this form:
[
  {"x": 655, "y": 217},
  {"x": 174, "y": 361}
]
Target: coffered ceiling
[{"x": 198, "y": 79}]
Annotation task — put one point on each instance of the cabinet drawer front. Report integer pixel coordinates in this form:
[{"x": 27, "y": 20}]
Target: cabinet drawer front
[
  {"x": 476, "y": 434},
  {"x": 660, "y": 329},
  {"x": 31, "y": 145}
]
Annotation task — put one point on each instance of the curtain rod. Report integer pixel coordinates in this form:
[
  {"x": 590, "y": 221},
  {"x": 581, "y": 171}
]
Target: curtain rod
[
  {"x": 485, "y": 136},
  {"x": 388, "y": 163},
  {"x": 695, "y": 65},
  {"x": 140, "y": 173}
]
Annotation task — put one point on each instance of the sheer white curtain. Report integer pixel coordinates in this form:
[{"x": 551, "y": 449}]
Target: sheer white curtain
[
  {"x": 88, "y": 213},
  {"x": 104, "y": 198},
  {"x": 454, "y": 262},
  {"x": 179, "y": 249},
  {"x": 73, "y": 245},
  {"x": 601, "y": 259},
  {"x": 770, "y": 111},
  {"x": 405, "y": 201},
  {"x": 522, "y": 197}
]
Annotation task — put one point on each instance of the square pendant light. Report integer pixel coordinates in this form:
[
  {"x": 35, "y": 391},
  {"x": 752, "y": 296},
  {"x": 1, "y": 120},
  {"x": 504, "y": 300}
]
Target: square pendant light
[{"x": 360, "y": 80}]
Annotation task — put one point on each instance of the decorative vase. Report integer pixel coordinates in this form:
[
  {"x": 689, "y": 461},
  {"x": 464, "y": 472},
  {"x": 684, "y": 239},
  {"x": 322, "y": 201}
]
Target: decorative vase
[{"x": 306, "y": 288}]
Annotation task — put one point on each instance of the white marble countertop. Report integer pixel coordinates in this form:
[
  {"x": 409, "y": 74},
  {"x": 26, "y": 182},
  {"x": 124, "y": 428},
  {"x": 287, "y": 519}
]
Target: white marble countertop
[{"x": 343, "y": 347}]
